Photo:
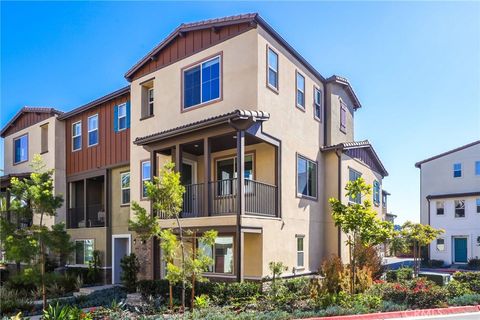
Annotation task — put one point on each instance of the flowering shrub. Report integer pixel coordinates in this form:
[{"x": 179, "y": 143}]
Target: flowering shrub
[{"x": 472, "y": 279}]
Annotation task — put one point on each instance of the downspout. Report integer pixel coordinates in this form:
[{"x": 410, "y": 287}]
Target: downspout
[
  {"x": 325, "y": 114},
  {"x": 428, "y": 224},
  {"x": 338, "y": 153}
]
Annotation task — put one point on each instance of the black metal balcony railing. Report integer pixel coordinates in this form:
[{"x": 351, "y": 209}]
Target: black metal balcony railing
[
  {"x": 89, "y": 217},
  {"x": 260, "y": 199}
]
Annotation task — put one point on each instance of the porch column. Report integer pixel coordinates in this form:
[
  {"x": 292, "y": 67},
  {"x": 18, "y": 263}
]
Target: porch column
[
  {"x": 240, "y": 199},
  {"x": 207, "y": 150},
  {"x": 178, "y": 158},
  {"x": 278, "y": 182}
]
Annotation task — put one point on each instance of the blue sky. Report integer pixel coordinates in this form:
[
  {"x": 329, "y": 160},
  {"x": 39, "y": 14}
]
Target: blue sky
[{"x": 414, "y": 65}]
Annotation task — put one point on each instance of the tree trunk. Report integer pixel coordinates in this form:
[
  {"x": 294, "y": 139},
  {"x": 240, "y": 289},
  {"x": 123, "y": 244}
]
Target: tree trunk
[
  {"x": 182, "y": 247},
  {"x": 194, "y": 256},
  {"x": 42, "y": 273},
  {"x": 170, "y": 289}
]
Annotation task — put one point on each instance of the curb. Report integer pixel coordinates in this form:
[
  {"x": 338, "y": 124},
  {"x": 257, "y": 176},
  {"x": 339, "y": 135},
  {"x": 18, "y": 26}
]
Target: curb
[{"x": 405, "y": 314}]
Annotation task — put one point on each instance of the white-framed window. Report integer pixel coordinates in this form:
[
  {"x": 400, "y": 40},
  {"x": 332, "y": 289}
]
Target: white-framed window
[
  {"x": 122, "y": 117},
  {"x": 20, "y": 149},
  {"x": 44, "y": 138},
  {"x": 376, "y": 192},
  {"x": 202, "y": 82},
  {"x": 477, "y": 204},
  {"x": 146, "y": 176},
  {"x": 317, "y": 103},
  {"x": 125, "y": 187},
  {"x": 226, "y": 170},
  {"x": 221, "y": 253},
  {"x": 272, "y": 72},
  {"x": 459, "y": 208},
  {"x": 151, "y": 101},
  {"x": 84, "y": 251},
  {"x": 353, "y": 175},
  {"x": 343, "y": 117},
  {"x": 306, "y": 177},
  {"x": 93, "y": 130},
  {"x": 300, "y": 89},
  {"x": 77, "y": 136},
  {"x": 440, "y": 208},
  {"x": 300, "y": 252},
  {"x": 440, "y": 244},
  {"x": 457, "y": 170}
]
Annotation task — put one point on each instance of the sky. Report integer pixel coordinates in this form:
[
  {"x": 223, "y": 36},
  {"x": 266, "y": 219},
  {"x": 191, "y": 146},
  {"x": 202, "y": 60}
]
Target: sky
[{"x": 415, "y": 66}]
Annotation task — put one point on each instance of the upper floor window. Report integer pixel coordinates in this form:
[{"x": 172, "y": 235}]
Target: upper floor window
[
  {"x": 343, "y": 117},
  {"x": 457, "y": 170},
  {"x": 272, "y": 72},
  {"x": 93, "y": 130},
  {"x": 148, "y": 97},
  {"x": 151, "y": 101},
  {"x": 376, "y": 192},
  {"x": 77, "y": 136},
  {"x": 20, "y": 149},
  {"x": 353, "y": 175},
  {"x": 477, "y": 168},
  {"x": 146, "y": 176},
  {"x": 44, "y": 138},
  {"x": 121, "y": 117},
  {"x": 384, "y": 199},
  {"x": 226, "y": 170},
  {"x": 306, "y": 177},
  {"x": 300, "y": 84},
  {"x": 459, "y": 208},
  {"x": 125, "y": 187},
  {"x": 440, "y": 208},
  {"x": 477, "y": 202},
  {"x": 201, "y": 83},
  {"x": 317, "y": 103}
]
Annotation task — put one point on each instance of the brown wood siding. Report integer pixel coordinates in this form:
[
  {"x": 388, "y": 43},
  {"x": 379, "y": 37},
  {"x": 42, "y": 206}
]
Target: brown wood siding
[
  {"x": 112, "y": 148},
  {"x": 190, "y": 43},
  {"x": 364, "y": 155},
  {"x": 26, "y": 120}
]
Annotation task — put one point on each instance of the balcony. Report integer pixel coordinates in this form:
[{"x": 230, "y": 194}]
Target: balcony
[
  {"x": 95, "y": 217},
  {"x": 86, "y": 200}
]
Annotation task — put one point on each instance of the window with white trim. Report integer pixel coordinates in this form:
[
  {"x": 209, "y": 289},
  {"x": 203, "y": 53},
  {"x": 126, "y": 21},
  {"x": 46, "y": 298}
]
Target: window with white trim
[
  {"x": 122, "y": 117},
  {"x": 440, "y": 244},
  {"x": 477, "y": 202},
  {"x": 146, "y": 176},
  {"x": 440, "y": 208},
  {"x": 376, "y": 192},
  {"x": 125, "y": 187},
  {"x": 317, "y": 103},
  {"x": 84, "y": 251},
  {"x": 306, "y": 177},
  {"x": 221, "y": 253},
  {"x": 93, "y": 130},
  {"x": 300, "y": 89},
  {"x": 300, "y": 252},
  {"x": 353, "y": 175},
  {"x": 459, "y": 208},
  {"x": 151, "y": 100},
  {"x": 457, "y": 170},
  {"x": 20, "y": 149},
  {"x": 201, "y": 83},
  {"x": 272, "y": 73},
  {"x": 77, "y": 136}
]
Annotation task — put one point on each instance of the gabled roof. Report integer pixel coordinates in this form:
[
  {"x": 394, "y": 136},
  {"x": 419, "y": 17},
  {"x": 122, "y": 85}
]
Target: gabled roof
[
  {"x": 27, "y": 109},
  {"x": 418, "y": 164},
  {"x": 204, "y": 123},
  {"x": 348, "y": 87},
  {"x": 253, "y": 18},
  {"x": 95, "y": 103},
  {"x": 352, "y": 145}
]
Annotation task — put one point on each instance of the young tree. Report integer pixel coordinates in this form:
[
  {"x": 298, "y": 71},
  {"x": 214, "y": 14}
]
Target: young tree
[
  {"x": 416, "y": 236},
  {"x": 359, "y": 222},
  {"x": 36, "y": 196}
]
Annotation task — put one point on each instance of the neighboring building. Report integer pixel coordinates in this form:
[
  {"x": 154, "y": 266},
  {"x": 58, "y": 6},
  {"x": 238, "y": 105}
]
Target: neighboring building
[
  {"x": 35, "y": 130},
  {"x": 261, "y": 138},
  {"x": 450, "y": 200}
]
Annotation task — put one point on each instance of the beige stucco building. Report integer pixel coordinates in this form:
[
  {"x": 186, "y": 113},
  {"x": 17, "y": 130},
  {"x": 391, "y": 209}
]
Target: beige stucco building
[{"x": 262, "y": 141}]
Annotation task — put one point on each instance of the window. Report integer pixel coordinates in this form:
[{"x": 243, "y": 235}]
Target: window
[
  {"x": 20, "y": 149},
  {"x": 150, "y": 101},
  {"x": 300, "y": 84},
  {"x": 272, "y": 72},
  {"x": 300, "y": 252},
  {"x": 440, "y": 244},
  {"x": 459, "y": 208},
  {"x": 121, "y": 117},
  {"x": 83, "y": 251},
  {"x": 376, "y": 192},
  {"x": 77, "y": 136},
  {"x": 317, "y": 103},
  {"x": 148, "y": 97},
  {"x": 146, "y": 174},
  {"x": 384, "y": 199},
  {"x": 201, "y": 83},
  {"x": 477, "y": 168},
  {"x": 353, "y": 175},
  {"x": 477, "y": 202},
  {"x": 93, "y": 130},
  {"x": 440, "y": 208},
  {"x": 343, "y": 117},
  {"x": 125, "y": 187},
  {"x": 306, "y": 177},
  {"x": 226, "y": 170},
  {"x": 457, "y": 170},
  {"x": 221, "y": 253},
  {"x": 44, "y": 138}
]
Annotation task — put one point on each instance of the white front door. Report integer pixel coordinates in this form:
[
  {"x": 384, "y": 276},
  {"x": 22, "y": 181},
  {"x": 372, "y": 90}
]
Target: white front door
[{"x": 121, "y": 246}]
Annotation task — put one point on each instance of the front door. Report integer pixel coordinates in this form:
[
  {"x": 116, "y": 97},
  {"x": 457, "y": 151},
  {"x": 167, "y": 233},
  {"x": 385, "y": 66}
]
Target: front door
[
  {"x": 460, "y": 250},
  {"x": 121, "y": 248}
]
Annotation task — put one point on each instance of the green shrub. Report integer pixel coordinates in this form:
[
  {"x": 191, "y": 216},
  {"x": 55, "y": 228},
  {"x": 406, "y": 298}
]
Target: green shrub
[
  {"x": 400, "y": 275},
  {"x": 465, "y": 300},
  {"x": 474, "y": 264},
  {"x": 456, "y": 289},
  {"x": 130, "y": 267},
  {"x": 12, "y": 302},
  {"x": 472, "y": 279}
]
